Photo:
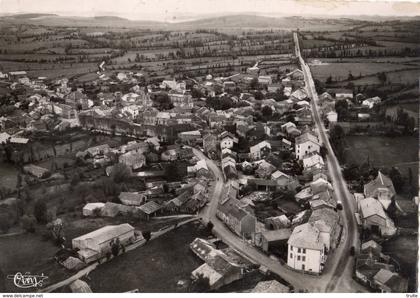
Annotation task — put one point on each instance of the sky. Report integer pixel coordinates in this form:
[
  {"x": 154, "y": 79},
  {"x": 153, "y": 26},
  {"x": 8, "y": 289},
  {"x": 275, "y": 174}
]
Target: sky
[{"x": 172, "y": 10}]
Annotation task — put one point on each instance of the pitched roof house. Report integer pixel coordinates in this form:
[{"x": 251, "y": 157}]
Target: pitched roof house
[
  {"x": 373, "y": 216},
  {"x": 259, "y": 150},
  {"x": 306, "y": 144},
  {"x": 390, "y": 282},
  {"x": 306, "y": 249},
  {"x": 381, "y": 188},
  {"x": 132, "y": 198}
]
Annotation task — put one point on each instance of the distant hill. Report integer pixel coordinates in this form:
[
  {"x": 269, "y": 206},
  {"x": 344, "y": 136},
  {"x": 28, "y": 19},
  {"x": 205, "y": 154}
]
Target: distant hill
[
  {"x": 228, "y": 22},
  {"x": 70, "y": 21},
  {"x": 23, "y": 16},
  {"x": 261, "y": 22},
  {"x": 110, "y": 18},
  {"x": 236, "y": 21}
]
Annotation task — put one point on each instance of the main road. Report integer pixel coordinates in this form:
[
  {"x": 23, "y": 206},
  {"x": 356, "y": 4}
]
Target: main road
[
  {"x": 340, "y": 266},
  {"x": 338, "y": 273}
]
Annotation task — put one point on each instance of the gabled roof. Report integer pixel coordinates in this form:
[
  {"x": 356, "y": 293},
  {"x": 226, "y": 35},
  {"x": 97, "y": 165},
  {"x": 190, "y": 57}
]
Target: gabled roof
[
  {"x": 327, "y": 217},
  {"x": 312, "y": 160},
  {"x": 131, "y": 198},
  {"x": 306, "y": 236},
  {"x": 306, "y": 137},
  {"x": 270, "y": 286},
  {"x": 259, "y": 146},
  {"x": 106, "y": 233},
  {"x": 276, "y": 235},
  {"x": 383, "y": 276},
  {"x": 370, "y": 207},
  {"x": 370, "y": 244},
  {"x": 150, "y": 207},
  {"x": 381, "y": 181},
  {"x": 278, "y": 174}
]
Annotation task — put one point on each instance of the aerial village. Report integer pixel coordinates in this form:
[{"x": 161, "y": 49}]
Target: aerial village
[{"x": 239, "y": 155}]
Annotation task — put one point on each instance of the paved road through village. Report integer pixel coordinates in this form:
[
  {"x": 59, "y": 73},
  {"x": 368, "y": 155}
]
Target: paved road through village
[
  {"x": 337, "y": 277},
  {"x": 341, "y": 263}
]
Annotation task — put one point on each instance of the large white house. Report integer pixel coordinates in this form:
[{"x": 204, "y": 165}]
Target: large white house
[
  {"x": 306, "y": 249},
  {"x": 227, "y": 140},
  {"x": 306, "y": 144}
]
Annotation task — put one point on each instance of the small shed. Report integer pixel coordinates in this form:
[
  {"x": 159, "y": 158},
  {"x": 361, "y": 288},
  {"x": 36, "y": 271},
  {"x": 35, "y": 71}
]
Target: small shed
[
  {"x": 89, "y": 208},
  {"x": 149, "y": 209}
]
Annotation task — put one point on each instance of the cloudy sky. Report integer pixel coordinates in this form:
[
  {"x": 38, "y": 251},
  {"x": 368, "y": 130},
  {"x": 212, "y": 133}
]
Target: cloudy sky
[{"x": 170, "y": 10}]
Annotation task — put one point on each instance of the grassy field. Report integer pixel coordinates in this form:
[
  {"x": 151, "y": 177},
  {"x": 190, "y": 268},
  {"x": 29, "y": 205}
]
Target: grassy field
[
  {"x": 29, "y": 253},
  {"x": 384, "y": 152},
  {"x": 404, "y": 250},
  {"x": 8, "y": 176},
  {"x": 156, "y": 267},
  {"x": 340, "y": 71}
]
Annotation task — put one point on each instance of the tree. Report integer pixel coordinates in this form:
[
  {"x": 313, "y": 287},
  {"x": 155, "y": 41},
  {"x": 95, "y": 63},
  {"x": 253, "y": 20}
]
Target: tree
[
  {"x": 28, "y": 223},
  {"x": 75, "y": 179},
  {"x": 342, "y": 109},
  {"x": 254, "y": 83},
  {"x": 40, "y": 211},
  {"x": 258, "y": 95},
  {"x": 162, "y": 101},
  {"x": 210, "y": 226},
  {"x": 397, "y": 179},
  {"x": 267, "y": 111},
  {"x": 116, "y": 246},
  {"x": 382, "y": 77},
  {"x": 200, "y": 285},
  {"x": 175, "y": 171},
  {"x": 410, "y": 176},
  {"x": 147, "y": 235},
  {"x": 196, "y": 93},
  {"x": 328, "y": 80},
  {"x": 5, "y": 223},
  {"x": 323, "y": 151},
  {"x": 336, "y": 136},
  {"x": 120, "y": 173}
]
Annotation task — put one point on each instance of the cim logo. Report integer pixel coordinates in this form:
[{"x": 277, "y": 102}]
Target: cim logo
[{"x": 27, "y": 280}]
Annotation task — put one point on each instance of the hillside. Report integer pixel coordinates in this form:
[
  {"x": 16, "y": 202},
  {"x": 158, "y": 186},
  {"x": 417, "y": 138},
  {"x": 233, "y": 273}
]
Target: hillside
[{"x": 220, "y": 23}]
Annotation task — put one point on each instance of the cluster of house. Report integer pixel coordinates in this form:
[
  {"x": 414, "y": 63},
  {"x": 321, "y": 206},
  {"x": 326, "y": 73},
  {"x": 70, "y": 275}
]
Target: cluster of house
[
  {"x": 309, "y": 236},
  {"x": 377, "y": 270},
  {"x": 224, "y": 266},
  {"x": 220, "y": 266},
  {"x": 359, "y": 105},
  {"x": 372, "y": 206}
]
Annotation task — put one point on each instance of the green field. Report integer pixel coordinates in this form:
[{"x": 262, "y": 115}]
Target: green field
[
  {"x": 29, "y": 253},
  {"x": 340, "y": 71},
  {"x": 155, "y": 267},
  {"x": 383, "y": 152},
  {"x": 8, "y": 176},
  {"x": 404, "y": 250}
]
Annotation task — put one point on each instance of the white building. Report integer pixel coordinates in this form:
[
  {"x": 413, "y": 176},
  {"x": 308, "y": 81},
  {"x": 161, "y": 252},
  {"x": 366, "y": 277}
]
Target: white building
[
  {"x": 371, "y": 102},
  {"x": 306, "y": 144},
  {"x": 306, "y": 250},
  {"x": 258, "y": 150},
  {"x": 265, "y": 80},
  {"x": 89, "y": 208},
  {"x": 227, "y": 140},
  {"x": 332, "y": 117},
  {"x": 96, "y": 244},
  {"x": 314, "y": 160}
]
